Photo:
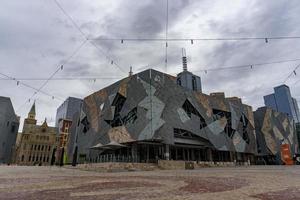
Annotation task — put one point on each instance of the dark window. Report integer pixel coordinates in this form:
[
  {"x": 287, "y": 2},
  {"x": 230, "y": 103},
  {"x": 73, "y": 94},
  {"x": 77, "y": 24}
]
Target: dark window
[
  {"x": 42, "y": 147},
  {"x": 7, "y": 123},
  {"x": 190, "y": 109},
  {"x": 34, "y": 147},
  {"x": 218, "y": 114},
  {"x": 86, "y": 124},
  {"x": 181, "y": 133},
  {"x": 29, "y": 158},
  {"x": 179, "y": 81},
  {"x": 118, "y": 103},
  {"x": 22, "y": 158},
  {"x": 245, "y": 123},
  {"x": 13, "y": 128},
  {"x": 194, "y": 83},
  {"x": 131, "y": 116},
  {"x": 39, "y": 147}
]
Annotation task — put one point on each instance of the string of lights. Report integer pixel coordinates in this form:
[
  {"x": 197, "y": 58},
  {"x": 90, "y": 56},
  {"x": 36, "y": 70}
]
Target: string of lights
[
  {"x": 52, "y": 75},
  {"x": 247, "y": 66},
  {"x": 191, "y": 40},
  {"x": 62, "y": 78},
  {"x": 19, "y": 82},
  {"x": 292, "y": 73},
  {"x": 91, "y": 78},
  {"x": 113, "y": 62}
]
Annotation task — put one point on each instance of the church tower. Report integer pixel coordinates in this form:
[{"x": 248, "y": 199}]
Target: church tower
[{"x": 31, "y": 116}]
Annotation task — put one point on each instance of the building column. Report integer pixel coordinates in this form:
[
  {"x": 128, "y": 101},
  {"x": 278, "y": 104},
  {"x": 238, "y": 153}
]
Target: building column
[
  {"x": 147, "y": 160},
  {"x": 167, "y": 152},
  {"x": 209, "y": 154},
  {"x": 134, "y": 151}
]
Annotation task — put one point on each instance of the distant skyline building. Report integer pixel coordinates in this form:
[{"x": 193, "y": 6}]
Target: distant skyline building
[
  {"x": 67, "y": 109},
  {"x": 282, "y": 101},
  {"x": 9, "y": 125}
]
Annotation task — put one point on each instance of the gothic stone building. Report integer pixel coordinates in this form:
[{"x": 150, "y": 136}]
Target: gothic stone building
[
  {"x": 149, "y": 116},
  {"x": 37, "y": 143}
]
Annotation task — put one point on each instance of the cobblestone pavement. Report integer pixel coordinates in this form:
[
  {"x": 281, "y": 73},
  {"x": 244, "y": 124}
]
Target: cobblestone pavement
[{"x": 255, "y": 182}]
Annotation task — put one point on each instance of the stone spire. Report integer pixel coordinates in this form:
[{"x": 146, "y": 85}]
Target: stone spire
[
  {"x": 31, "y": 114},
  {"x": 45, "y": 123}
]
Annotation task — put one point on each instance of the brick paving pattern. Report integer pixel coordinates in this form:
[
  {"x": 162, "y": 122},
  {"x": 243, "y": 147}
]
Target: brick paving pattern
[{"x": 49, "y": 183}]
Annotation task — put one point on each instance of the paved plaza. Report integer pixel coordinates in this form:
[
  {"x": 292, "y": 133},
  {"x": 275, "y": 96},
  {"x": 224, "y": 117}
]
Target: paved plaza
[{"x": 255, "y": 182}]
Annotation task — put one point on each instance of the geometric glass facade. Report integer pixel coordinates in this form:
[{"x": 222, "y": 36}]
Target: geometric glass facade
[{"x": 282, "y": 101}]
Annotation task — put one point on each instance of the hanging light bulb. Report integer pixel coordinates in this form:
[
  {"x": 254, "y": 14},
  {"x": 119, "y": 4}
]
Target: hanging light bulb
[
  {"x": 251, "y": 67},
  {"x": 61, "y": 67},
  {"x": 295, "y": 72},
  {"x": 192, "y": 41},
  {"x": 122, "y": 41},
  {"x": 18, "y": 82},
  {"x": 112, "y": 62},
  {"x": 266, "y": 40}
]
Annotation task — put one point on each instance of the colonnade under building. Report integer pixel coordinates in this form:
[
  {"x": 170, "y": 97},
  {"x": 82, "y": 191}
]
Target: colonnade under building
[{"x": 151, "y": 152}]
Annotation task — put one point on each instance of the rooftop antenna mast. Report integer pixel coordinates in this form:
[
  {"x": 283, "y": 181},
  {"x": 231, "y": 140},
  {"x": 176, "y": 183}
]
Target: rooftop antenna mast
[
  {"x": 130, "y": 72},
  {"x": 184, "y": 60}
]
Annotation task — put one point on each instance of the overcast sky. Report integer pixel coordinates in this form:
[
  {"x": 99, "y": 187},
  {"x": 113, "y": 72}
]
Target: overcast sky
[{"x": 36, "y": 37}]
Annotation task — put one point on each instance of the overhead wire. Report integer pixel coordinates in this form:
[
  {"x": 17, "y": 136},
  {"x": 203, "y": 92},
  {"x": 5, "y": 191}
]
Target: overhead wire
[
  {"x": 220, "y": 68},
  {"x": 249, "y": 66},
  {"x": 191, "y": 39},
  {"x": 62, "y": 65},
  {"x": 53, "y": 74},
  {"x": 62, "y": 78},
  {"x": 113, "y": 62},
  {"x": 166, "y": 39},
  {"x": 293, "y": 72},
  {"x": 19, "y": 82}
]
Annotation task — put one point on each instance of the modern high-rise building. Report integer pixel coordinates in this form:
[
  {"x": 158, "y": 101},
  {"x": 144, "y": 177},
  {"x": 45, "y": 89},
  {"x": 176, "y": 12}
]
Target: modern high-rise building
[
  {"x": 282, "y": 101},
  {"x": 9, "y": 125},
  {"x": 67, "y": 109}
]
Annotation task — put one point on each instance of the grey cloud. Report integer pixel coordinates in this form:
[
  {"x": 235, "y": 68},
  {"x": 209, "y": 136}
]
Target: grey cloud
[{"x": 34, "y": 38}]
